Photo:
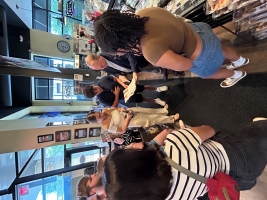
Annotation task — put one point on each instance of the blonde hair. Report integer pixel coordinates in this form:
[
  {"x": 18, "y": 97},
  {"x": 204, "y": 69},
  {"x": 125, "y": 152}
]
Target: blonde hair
[
  {"x": 89, "y": 58},
  {"x": 91, "y": 115}
]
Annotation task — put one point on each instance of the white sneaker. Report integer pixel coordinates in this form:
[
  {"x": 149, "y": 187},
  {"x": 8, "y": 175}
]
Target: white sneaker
[
  {"x": 231, "y": 81},
  {"x": 181, "y": 124},
  {"x": 160, "y": 102},
  {"x": 232, "y": 66},
  {"x": 162, "y": 88},
  {"x": 259, "y": 119}
]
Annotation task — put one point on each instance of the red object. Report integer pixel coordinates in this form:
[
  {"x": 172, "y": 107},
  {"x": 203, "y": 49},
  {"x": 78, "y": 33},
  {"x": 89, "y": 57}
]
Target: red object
[
  {"x": 24, "y": 190},
  {"x": 223, "y": 187}
]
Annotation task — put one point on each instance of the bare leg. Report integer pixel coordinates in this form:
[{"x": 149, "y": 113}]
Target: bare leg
[
  {"x": 221, "y": 74},
  {"x": 230, "y": 54}
]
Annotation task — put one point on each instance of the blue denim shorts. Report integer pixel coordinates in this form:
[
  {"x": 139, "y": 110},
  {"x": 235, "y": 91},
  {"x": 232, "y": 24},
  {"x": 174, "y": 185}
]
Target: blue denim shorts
[{"x": 211, "y": 56}]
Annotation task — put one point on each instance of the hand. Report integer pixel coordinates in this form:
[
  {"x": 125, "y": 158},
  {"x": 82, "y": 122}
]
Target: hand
[
  {"x": 122, "y": 109},
  {"x": 125, "y": 86},
  {"x": 135, "y": 76},
  {"x": 123, "y": 78},
  {"x": 129, "y": 115},
  {"x": 116, "y": 90}
]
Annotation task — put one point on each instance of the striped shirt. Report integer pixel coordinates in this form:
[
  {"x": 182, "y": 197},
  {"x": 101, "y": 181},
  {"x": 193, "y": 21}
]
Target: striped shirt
[{"x": 204, "y": 158}]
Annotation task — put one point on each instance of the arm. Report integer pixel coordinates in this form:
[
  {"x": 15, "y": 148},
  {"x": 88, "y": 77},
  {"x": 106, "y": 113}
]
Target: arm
[
  {"x": 120, "y": 82},
  {"x": 204, "y": 132},
  {"x": 125, "y": 124},
  {"x": 116, "y": 92},
  {"x": 174, "y": 61},
  {"x": 133, "y": 61},
  {"x": 161, "y": 137},
  {"x": 123, "y": 78}
]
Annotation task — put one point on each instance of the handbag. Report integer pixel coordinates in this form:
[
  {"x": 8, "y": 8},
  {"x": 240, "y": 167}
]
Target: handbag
[{"x": 221, "y": 186}]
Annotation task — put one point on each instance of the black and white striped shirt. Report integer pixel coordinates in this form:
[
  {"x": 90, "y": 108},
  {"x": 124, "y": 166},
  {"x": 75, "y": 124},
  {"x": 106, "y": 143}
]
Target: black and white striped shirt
[{"x": 186, "y": 148}]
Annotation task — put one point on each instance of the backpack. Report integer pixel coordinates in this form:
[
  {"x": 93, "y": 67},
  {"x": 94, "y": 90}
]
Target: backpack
[{"x": 221, "y": 186}]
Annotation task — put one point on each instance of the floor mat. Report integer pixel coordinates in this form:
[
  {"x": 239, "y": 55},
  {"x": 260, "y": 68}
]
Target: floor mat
[{"x": 201, "y": 101}]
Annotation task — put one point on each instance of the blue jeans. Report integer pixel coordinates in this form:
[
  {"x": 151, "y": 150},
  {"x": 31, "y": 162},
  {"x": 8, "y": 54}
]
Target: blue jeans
[
  {"x": 246, "y": 147},
  {"x": 211, "y": 56}
]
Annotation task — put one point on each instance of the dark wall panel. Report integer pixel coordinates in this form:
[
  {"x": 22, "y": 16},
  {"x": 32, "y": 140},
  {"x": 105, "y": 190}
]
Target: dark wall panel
[
  {"x": 16, "y": 48},
  {"x": 21, "y": 91}
]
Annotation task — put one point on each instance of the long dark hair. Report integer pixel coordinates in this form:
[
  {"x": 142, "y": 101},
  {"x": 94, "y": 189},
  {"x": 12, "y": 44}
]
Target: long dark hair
[
  {"x": 114, "y": 30},
  {"x": 137, "y": 174}
]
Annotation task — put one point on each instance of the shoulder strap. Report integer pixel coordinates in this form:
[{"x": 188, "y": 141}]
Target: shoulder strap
[{"x": 185, "y": 171}]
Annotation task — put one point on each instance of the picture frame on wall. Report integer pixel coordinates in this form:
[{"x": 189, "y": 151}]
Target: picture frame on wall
[
  {"x": 45, "y": 138},
  {"x": 80, "y": 133},
  {"x": 94, "y": 132},
  {"x": 62, "y": 136}
]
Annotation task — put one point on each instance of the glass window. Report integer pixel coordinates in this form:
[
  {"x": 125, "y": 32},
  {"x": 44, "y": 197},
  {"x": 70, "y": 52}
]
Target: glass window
[
  {"x": 54, "y": 24},
  {"x": 55, "y": 62},
  {"x": 68, "y": 64},
  {"x": 53, "y": 5},
  {"x": 41, "y": 88},
  {"x": 40, "y": 20},
  {"x": 51, "y": 188},
  {"x": 39, "y": 59},
  {"x": 69, "y": 28},
  {"x": 39, "y": 4},
  {"x": 6, "y": 197},
  {"x": 7, "y": 170},
  {"x": 83, "y": 144},
  {"x": 54, "y": 157},
  {"x": 84, "y": 157},
  {"x": 34, "y": 166},
  {"x": 30, "y": 190},
  {"x": 78, "y": 8},
  {"x": 24, "y": 157}
]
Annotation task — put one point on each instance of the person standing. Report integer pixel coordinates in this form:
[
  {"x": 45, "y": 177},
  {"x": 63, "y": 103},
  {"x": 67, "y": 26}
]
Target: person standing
[
  {"x": 240, "y": 152},
  {"x": 109, "y": 91},
  {"x": 167, "y": 41},
  {"x": 123, "y": 65}
]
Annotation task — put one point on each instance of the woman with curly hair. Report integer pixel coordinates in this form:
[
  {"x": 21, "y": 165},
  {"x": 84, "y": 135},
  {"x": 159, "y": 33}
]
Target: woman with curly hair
[{"x": 167, "y": 41}]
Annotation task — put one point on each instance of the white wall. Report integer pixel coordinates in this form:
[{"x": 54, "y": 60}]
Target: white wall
[
  {"x": 24, "y": 15},
  {"x": 44, "y": 43}
]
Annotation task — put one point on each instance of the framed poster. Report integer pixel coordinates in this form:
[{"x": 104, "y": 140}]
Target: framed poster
[
  {"x": 63, "y": 135},
  {"x": 45, "y": 138},
  {"x": 94, "y": 132},
  {"x": 80, "y": 133}
]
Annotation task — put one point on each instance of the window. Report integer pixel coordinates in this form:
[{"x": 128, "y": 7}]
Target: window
[
  {"x": 48, "y": 16},
  {"x": 7, "y": 170},
  {"x": 54, "y": 24},
  {"x": 54, "y": 157},
  {"x": 34, "y": 166},
  {"x": 85, "y": 157},
  {"x": 40, "y": 21},
  {"x": 24, "y": 157},
  {"x": 60, "y": 89},
  {"x": 6, "y": 197}
]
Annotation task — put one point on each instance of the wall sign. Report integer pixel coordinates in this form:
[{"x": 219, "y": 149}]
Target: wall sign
[
  {"x": 94, "y": 132},
  {"x": 70, "y": 8},
  {"x": 63, "y": 135},
  {"x": 63, "y": 46},
  {"x": 45, "y": 138},
  {"x": 80, "y": 133}
]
